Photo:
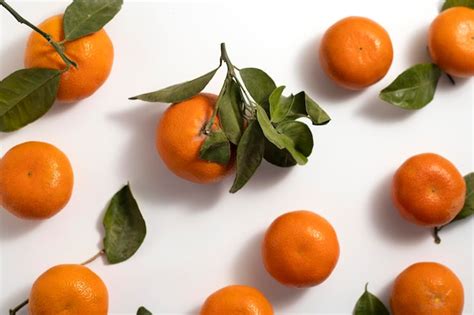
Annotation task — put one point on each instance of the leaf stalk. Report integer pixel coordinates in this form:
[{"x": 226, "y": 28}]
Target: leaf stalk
[{"x": 13, "y": 311}]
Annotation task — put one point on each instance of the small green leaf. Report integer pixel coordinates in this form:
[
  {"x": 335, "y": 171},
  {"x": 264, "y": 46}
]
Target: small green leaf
[
  {"x": 279, "y": 105},
  {"x": 230, "y": 112},
  {"x": 143, "y": 311},
  {"x": 468, "y": 208},
  {"x": 369, "y": 304},
  {"x": 299, "y": 133},
  {"x": 26, "y": 95},
  {"x": 414, "y": 88},
  {"x": 458, "y": 3},
  {"x": 125, "y": 228},
  {"x": 249, "y": 155},
  {"x": 178, "y": 92},
  {"x": 281, "y": 141},
  {"x": 259, "y": 84},
  {"x": 305, "y": 106},
  {"x": 216, "y": 148},
  {"x": 84, "y": 17}
]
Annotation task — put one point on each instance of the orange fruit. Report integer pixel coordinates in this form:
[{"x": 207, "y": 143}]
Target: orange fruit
[
  {"x": 300, "y": 249},
  {"x": 451, "y": 41},
  {"x": 428, "y": 190},
  {"x": 36, "y": 180},
  {"x": 94, "y": 55},
  {"x": 68, "y": 290},
  {"x": 237, "y": 300},
  {"x": 427, "y": 288},
  {"x": 179, "y": 137},
  {"x": 355, "y": 52}
]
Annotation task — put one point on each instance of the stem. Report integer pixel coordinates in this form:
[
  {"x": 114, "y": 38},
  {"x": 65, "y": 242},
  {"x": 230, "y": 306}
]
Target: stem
[
  {"x": 225, "y": 58},
  {"x": 19, "y": 307},
  {"x": 436, "y": 234},
  {"x": 451, "y": 79},
  {"x": 88, "y": 261},
  {"x": 208, "y": 126},
  {"x": 57, "y": 46}
]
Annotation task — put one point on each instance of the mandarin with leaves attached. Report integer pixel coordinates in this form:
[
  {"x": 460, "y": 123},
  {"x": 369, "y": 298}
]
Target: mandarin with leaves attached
[
  {"x": 180, "y": 135},
  {"x": 94, "y": 55}
]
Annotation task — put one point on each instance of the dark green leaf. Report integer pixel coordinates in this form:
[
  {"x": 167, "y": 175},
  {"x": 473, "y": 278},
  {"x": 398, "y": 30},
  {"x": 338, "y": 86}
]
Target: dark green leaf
[
  {"x": 216, "y": 148},
  {"x": 369, "y": 304},
  {"x": 258, "y": 83},
  {"x": 281, "y": 141},
  {"x": 299, "y": 134},
  {"x": 143, "y": 311},
  {"x": 304, "y": 106},
  {"x": 84, "y": 17},
  {"x": 468, "y": 208},
  {"x": 279, "y": 105},
  {"x": 178, "y": 92},
  {"x": 249, "y": 155},
  {"x": 458, "y": 3},
  {"x": 230, "y": 112},
  {"x": 414, "y": 88},
  {"x": 125, "y": 228},
  {"x": 26, "y": 95}
]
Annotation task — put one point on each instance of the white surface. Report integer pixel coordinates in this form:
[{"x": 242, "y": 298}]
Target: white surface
[{"x": 201, "y": 238}]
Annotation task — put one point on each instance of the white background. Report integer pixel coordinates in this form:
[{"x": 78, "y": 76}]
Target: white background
[{"x": 201, "y": 238}]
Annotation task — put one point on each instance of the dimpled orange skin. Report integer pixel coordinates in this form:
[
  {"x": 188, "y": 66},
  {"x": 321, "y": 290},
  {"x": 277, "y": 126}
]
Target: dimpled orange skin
[
  {"x": 68, "y": 290},
  {"x": 300, "y": 249},
  {"x": 356, "y": 52},
  {"x": 179, "y": 139},
  {"x": 427, "y": 288},
  {"x": 451, "y": 41},
  {"x": 237, "y": 300},
  {"x": 428, "y": 190},
  {"x": 94, "y": 55},
  {"x": 36, "y": 180}
]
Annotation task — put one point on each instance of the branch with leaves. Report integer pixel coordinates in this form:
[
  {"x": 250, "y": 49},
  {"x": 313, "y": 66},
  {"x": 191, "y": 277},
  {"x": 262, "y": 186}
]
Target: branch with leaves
[{"x": 255, "y": 117}]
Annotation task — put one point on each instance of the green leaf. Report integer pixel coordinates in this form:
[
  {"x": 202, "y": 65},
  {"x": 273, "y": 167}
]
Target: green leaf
[
  {"x": 143, "y": 311},
  {"x": 249, "y": 155},
  {"x": 369, "y": 304},
  {"x": 216, "y": 148},
  {"x": 299, "y": 133},
  {"x": 26, "y": 95},
  {"x": 468, "y": 208},
  {"x": 305, "y": 106},
  {"x": 279, "y": 105},
  {"x": 281, "y": 141},
  {"x": 230, "y": 112},
  {"x": 125, "y": 228},
  {"x": 84, "y": 17},
  {"x": 414, "y": 88},
  {"x": 458, "y": 3},
  {"x": 258, "y": 84},
  {"x": 178, "y": 92}
]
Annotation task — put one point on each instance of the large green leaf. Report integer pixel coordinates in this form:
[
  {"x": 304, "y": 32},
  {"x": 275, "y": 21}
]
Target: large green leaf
[
  {"x": 26, "y": 95},
  {"x": 305, "y": 106},
  {"x": 249, "y": 155},
  {"x": 468, "y": 208},
  {"x": 230, "y": 111},
  {"x": 281, "y": 141},
  {"x": 301, "y": 136},
  {"x": 279, "y": 105},
  {"x": 178, "y": 92},
  {"x": 369, "y": 304},
  {"x": 84, "y": 17},
  {"x": 414, "y": 88},
  {"x": 259, "y": 84},
  {"x": 125, "y": 228},
  {"x": 216, "y": 148},
  {"x": 143, "y": 311},
  {"x": 458, "y": 3}
]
